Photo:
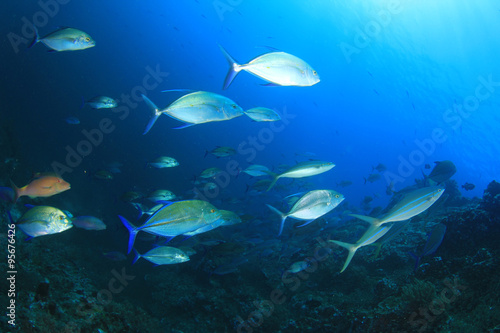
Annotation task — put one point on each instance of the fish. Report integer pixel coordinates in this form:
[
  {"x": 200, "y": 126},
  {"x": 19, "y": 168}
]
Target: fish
[
  {"x": 221, "y": 152},
  {"x": 369, "y": 237},
  {"x": 299, "y": 266},
  {"x": 100, "y": 102},
  {"x": 64, "y": 39},
  {"x": 130, "y": 196},
  {"x": 145, "y": 210},
  {"x": 162, "y": 255},
  {"x": 278, "y": 68},
  {"x": 88, "y": 223},
  {"x": 442, "y": 171},
  {"x": 210, "y": 186},
  {"x": 412, "y": 204},
  {"x": 174, "y": 219},
  {"x": 380, "y": 167},
  {"x": 310, "y": 206},
  {"x": 373, "y": 177},
  {"x": 163, "y": 162},
  {"x": 72, "y": 120},
  {"x": 256, "y": 170},
  {"x": 114, "y": 255},
  {"x": 301, "y": 170},
  {"x": 103, "y": 175},
  {"x": 468, "y": 186},
  {"x": 210, "y": 172},
  {"x": 260, "y": 114},
  {"x": 344, "y": 183},
  {"x": 161, "y": 195},
  {"x": 196, "y": 108},
  {"x": 433, "y": 242},
  {"x": 43, "y": 220},
  {"x": 41, "y": 186}
]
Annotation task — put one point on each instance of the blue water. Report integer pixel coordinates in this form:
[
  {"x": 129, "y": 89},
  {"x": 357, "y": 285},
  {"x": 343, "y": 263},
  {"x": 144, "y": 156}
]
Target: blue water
[{"x": 392, "y": 72}]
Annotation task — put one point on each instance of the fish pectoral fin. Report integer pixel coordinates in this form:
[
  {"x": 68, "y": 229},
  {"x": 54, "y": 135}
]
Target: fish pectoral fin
[
  {"x": 183, "y": 126},
  {"x": 307, "y": 222}
]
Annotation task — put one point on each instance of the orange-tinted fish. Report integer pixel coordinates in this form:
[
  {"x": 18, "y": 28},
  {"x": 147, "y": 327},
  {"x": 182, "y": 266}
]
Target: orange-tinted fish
[{"x": 41, "y": 186}]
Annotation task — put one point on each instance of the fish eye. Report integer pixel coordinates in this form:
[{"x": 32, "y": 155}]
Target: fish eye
[
  {"x": 212, "y": 210},
  {"x": 61, "y": 217},
  {"x": 87, "y": 39},
  {"x": 234, "y": 106},
  {"x": 315, "y": 73},
  {"x": 337, "y": 196}
]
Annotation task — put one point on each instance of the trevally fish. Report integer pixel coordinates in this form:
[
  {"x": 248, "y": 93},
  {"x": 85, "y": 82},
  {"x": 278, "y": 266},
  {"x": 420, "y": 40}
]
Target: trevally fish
[
  {"x": 256, "y": 170},
  {"x": 221, "y": 152},
  {"x": 196, "y": 108},
  {"x": 369, "y": 237},
  {"x": 43, "y": 220},
  {"x": 303, "y": 169},
  {"x": 299, "y": 266},
  {"x": 210, "y": 172},
  {"x": 279, "y": 68},
  {"x": 64, "y": 39},
  {"x": 161, "y": 195},
  {"x": 163, "y": 255},
  {"x": 412, "y": 204},
  {"x": 175, "y": 219},
  {"x": 310, "y": 206},
  {"x": 163, "y": 162},
  {"x": 100, "y": 102},
  {"x": 262, "y": 114},
  {"x": 41, "y": 186}
]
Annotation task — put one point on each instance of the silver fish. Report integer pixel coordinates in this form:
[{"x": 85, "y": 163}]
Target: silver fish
[
  {"x": 64, "y": 39},
  {"x": 303, "y": 169},
  {"x": 279, "y": 68},
  {"x": 310, "y": 206},
  {"x": 163, "y": 255},
  {"x": 163, "y": 162},
  {"x": 262, "y": 114},
  {"x": 196, "y": 108},
  {"x": 100, "y": 102},
  {"x": 43, "y": 220}
]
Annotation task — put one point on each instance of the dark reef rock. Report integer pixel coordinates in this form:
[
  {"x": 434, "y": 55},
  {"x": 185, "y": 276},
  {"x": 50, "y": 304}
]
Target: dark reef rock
[{"x": 491, "y": 198}]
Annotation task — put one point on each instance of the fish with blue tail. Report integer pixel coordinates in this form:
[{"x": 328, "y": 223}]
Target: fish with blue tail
[{"x": 433, "y": 242}]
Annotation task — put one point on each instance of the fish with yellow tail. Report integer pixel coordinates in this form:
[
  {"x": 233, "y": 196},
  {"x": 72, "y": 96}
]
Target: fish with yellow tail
[{"x": 301, "y": 170}]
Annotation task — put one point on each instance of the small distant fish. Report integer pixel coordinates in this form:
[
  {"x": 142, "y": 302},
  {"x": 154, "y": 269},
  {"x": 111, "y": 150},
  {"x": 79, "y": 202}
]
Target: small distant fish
[
  {"x": 161, "y": 195},
  {"x": 221, "y": 152},
  {"x": 373, "y": 177},
  {"x": 115, "y": 256},
  {"x": 299, "y": 266},
  {"x": 100, "y": 102},
  {"x": 210, "y": 186},
  {"x": 262, "y": 114},
  {"x": 279, "y": 68},
  {"x": 256, "y": 170},
  {"x": 72, "y": 120},
  {"x": 88, "y": 223},
  {"x": 433, "y": 242},
  {"x": 344, "y": 183},
  {"x": 210, "y": 172},
  {"x": 163, "y": 255},
  {"x": 380, "y": 167},
  {"x": 468, "y": 186},
  {"x": 64, "y": 39},
  {"x": 103, "y": 175},
  {"x": 130, "y": 196},
  {"x": 143, "y": 209},
  {"x": 303, "y": 169},
  {"x": 41, "y": 186},
  {"x": 163, "y": 162},
  {"x": 43, "y": 220}
]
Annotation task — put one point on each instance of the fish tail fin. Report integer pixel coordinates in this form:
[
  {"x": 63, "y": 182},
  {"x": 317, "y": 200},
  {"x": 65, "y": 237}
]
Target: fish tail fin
[
  {"x": 417, "y": 260},
  {"x": 36, "y": 38},
  {"x": 17, "y": 191},
  {"x": 373, "y": 221},
  {"x": 283, "y": 217},
  {"x": 273, "y": 182},
  {"x": 365, "y": 180},
  {"x": 352, "y": 250},
  {"x": 155, "y": 116},
  {"x": 234, "y": 69},
  {"x": 136, "y": 256},
  {"x": 132, "y": 230},
  {"x": 83, "y": 103}
]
